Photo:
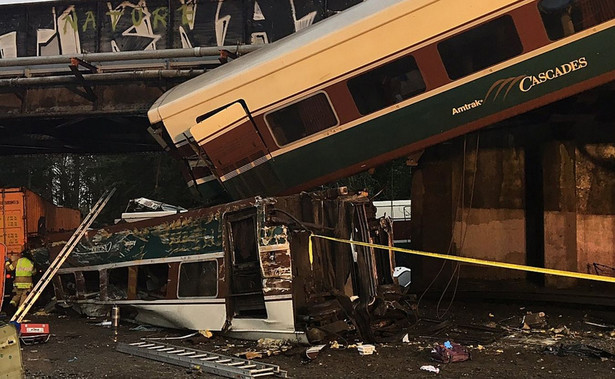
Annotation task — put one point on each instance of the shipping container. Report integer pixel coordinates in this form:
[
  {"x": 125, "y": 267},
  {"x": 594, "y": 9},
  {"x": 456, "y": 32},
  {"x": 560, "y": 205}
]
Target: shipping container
[{"x": 26, "y": 217}]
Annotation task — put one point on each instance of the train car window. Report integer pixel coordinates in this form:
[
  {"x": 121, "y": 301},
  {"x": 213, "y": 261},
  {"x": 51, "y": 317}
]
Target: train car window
[
  {"x": 566, "y": 17},
  {"x": 301, "y": 119},
  {"x": 117, "y": 283},
  {"x": 386, "y": 85},
  {"x": 152, "y": 281},
  {"x": 480, "y": 47},
  {"x": 198, "y": 279}
]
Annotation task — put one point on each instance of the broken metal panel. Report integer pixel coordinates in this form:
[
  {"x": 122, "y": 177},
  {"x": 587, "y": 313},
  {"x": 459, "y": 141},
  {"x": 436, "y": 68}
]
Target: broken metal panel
[
  {"x": 173, "y": 282},
  {"x": 276, "y": 269},
  {"x": 133, "y": 272},
  {"x": 186, "y": 234},
  {"x": 275, "y": 256},
  {"x": 80, "y": 285},
  {"x": 104, "y": 281},
  {"x": 58, "y": 289}
]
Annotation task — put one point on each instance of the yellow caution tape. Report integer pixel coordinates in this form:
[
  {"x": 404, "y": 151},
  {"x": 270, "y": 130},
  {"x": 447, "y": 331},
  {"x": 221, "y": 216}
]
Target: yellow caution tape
[
  {"x": 310, "y": 250},
  {"x": 481, "y": 262}
]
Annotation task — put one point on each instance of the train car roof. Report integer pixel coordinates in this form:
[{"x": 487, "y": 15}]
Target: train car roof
[{"x": 252, "y": 77}]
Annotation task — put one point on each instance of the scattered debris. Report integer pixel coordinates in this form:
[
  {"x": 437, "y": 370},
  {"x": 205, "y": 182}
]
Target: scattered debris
[
  {"x": 335, "y": 345},
  {"x": 269, "y": 343},
  {"x": 366, "y": 349},
  {"x": 104, "y": 323},
  {"x": 205, "y": 333},
  {"x": 312, "y": 352},
  {"x": 531, "y": 340},
  {"x": 250, "y": 355},
  {"x": 430, "y": 368},
  {"x": 170, "y": 338},
  {"x": 580, "y": 350},
  {"x": 470, "y": 334},
  {"x": 593, "y": 321},
  {"x": 560, "y": 331},
  {"x": 450, "y": 352},
  {"x": 534, "y": 321},
  {"x": 405, "y": 339},
  {"x": 145, "y": 328},
  {"x": 605, "y": 326}
]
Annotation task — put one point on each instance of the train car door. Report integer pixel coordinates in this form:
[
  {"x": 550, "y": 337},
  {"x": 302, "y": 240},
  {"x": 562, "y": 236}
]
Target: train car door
[
  {"x": 235, "y": 148},
  {"x": 246, "y": 284}
]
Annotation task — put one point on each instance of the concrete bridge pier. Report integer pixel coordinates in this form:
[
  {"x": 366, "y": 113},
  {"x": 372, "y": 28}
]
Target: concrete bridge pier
[{"x": 536, "y": 190}]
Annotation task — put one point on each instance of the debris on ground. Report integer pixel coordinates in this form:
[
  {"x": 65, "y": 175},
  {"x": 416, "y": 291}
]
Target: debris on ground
[
  {"x": 449, "y": 352},
  {"x": 170, "y": 338},
  {"x": 144, "y": 328},
  {"x": 534, "y": 321},
  {"x": 366, "y": 349},
  {"x": 312, "y": 352},
  {"x": 592, "y": 321},
  {"x": 580, "y": 350},
  {"x": 430, "y": 368},
  {"x": 249, "y": 355},
  {"x": 514, "y": 353},
  {"x": 466, "y": 334},
  {"x": 270, "y": 346},
  {"x": 269, "y": 343}
]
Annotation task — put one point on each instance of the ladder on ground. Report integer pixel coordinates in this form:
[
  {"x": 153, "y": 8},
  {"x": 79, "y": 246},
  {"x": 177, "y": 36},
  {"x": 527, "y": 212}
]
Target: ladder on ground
[
  {"x": 213, "y": 363},
  {"x": 64, "y": 253}
]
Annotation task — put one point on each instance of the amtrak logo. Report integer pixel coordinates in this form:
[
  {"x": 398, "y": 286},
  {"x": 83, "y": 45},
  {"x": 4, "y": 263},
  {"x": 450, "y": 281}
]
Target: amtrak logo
[{"x": 467, "y": 107}]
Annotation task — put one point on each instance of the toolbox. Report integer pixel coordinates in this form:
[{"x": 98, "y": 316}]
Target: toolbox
[{"x": 31, "y": 334}]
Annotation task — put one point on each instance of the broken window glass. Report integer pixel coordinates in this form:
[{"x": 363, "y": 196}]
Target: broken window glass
[
  {"x": 386, "y": 85},
  {"x": 117, "y": 283},
  {"x": 198, "y": 279},
  {"x": 69, "y": 284},
  {"x": 480, "y": 47},
  {"x": 301, "y": 119},
  {"x": 152, "y": 281},
  {"x": 92, "y": 283},
  {"x": 566, "y": 17}
]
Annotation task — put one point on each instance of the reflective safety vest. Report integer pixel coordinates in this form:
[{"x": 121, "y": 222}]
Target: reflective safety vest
[{"x": 23, "y": 273}]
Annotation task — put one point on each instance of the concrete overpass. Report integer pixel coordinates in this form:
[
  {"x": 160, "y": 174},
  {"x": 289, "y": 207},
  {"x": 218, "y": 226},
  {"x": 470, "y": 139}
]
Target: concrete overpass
[{"x": 80, "y": 76}]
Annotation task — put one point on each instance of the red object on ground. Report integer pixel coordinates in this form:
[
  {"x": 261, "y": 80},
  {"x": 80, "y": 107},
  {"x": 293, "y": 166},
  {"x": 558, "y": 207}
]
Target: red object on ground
[{"x": 34, "y": 333}]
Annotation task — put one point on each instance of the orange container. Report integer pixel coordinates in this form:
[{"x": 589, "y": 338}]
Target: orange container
[{"x": 26, "y": 217}]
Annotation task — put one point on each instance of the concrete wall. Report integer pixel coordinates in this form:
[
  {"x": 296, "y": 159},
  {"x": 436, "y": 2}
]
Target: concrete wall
[{"x": 482, "y": 204}]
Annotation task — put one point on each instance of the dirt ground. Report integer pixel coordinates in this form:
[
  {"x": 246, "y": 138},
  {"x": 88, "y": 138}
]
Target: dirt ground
[{"x": 78, "y": 348}]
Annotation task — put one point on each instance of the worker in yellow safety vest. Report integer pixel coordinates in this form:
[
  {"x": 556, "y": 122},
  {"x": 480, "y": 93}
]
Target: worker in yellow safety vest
[{"x": 22, "y": 285}]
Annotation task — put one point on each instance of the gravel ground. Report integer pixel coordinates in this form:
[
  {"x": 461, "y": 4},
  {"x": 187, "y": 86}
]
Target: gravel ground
[{"x": 78, "y": 348}]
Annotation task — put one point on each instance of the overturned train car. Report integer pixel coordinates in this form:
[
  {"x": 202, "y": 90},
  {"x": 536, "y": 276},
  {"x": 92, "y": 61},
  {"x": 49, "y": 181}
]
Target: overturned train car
[{"x": 242, "y": 268}]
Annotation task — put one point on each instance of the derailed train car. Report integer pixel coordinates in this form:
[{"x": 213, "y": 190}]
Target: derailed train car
[
  {"x": 242, "y": 268},
  {"x": 379, "y": 81}
]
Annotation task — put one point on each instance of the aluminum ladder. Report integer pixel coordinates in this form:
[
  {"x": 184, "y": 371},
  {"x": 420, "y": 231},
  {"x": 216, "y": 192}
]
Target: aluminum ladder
[
  {"x": 213, "y": 363},
  {"x": 64, "y": 253}
]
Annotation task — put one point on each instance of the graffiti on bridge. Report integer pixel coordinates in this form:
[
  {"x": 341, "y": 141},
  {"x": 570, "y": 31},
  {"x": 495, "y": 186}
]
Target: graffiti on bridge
[{"x": 98, "y": 26}]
